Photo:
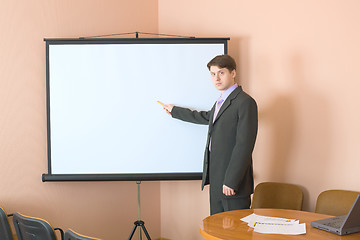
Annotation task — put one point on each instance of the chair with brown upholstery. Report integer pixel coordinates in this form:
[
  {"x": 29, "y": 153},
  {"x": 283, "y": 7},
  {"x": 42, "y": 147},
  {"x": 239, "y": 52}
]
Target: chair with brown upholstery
[
  {"x": 335, "y": 202},
  {"x": 277, "y": 195}
]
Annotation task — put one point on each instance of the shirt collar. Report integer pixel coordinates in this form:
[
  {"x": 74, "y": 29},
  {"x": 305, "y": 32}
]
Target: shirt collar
[{"x": 225, "y": 95}]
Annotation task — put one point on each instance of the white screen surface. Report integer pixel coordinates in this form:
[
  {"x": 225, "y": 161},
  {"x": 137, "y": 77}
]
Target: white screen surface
[{"x": 104, "y": 115}]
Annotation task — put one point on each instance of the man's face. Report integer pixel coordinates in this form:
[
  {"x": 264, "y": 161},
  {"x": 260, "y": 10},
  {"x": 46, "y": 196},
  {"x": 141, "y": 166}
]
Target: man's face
[{"x": 222, "y": 78}]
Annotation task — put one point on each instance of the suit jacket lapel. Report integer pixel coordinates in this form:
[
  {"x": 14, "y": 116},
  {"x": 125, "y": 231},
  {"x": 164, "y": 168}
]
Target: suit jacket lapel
[
  {"x": 211, "y": 119},
  {"x": 227, "y": 103}
]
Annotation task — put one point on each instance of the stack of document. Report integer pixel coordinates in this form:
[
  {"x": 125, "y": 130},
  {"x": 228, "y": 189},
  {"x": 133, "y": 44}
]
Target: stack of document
[{"x": 273, "y": 225}]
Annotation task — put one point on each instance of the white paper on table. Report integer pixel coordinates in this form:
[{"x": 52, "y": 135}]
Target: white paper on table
[
  {"x": 257, "y": 218},
  {"x": 280, "y": 228},
  {"x": 252, "y": 224}
]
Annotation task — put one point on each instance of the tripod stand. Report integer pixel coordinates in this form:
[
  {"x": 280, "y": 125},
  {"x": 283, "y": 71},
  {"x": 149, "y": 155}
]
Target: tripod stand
[{"x": 139, "y": 223}]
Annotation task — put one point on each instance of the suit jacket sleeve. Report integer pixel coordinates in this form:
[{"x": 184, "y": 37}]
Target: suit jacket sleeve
[
  {"x": 184, "y": 114},
  {"x": 241, "y": 157}
]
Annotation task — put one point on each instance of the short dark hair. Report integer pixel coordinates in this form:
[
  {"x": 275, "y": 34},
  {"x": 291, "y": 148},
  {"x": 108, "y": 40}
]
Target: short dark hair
[{"x": 223, "y": 61}]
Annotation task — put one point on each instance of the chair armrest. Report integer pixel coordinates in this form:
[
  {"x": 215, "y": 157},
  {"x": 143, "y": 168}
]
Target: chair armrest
[{"x": 61, "y": 232}]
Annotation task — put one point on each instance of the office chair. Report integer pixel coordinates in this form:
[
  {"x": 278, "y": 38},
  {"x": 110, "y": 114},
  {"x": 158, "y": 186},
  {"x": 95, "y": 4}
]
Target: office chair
[
  {"x": 335, "y": 202},
  {"x": 30, "y": 228},
  {"x": 71, "y": 235},
  {"x": 5, "y": 230},
  {"x": 277, "y": 195}
]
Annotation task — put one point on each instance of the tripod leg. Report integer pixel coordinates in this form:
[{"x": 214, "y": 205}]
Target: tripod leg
[
  {"x": 146, "y": 233},
  {"x": 133, "y": 231}
]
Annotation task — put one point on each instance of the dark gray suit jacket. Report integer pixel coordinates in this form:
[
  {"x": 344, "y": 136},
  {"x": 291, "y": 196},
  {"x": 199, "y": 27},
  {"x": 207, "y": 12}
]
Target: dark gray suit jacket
[{"x": 233, "y": 135}]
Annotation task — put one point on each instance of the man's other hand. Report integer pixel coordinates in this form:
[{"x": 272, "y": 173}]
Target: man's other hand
[{"x": 228, "y": 191}]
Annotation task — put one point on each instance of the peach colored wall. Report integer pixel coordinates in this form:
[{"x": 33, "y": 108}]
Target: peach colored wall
[
  {"x": 300, "y": 61},
  {"x": 103, "y": 209}
]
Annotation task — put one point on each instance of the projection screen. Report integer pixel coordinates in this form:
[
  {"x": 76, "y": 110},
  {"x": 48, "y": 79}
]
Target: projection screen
[{"x": 103, "y": 119}]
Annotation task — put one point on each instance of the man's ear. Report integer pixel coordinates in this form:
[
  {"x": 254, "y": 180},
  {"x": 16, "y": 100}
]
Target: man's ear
[{"x": 233, "y": 74}]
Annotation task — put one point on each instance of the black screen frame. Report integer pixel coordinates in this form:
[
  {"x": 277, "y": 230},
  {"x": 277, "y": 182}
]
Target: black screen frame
[{"x": 116, "y": 177}]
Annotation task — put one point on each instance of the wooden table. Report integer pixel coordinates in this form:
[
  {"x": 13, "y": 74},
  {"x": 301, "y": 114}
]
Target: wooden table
[{"x": 228, "y": 226}]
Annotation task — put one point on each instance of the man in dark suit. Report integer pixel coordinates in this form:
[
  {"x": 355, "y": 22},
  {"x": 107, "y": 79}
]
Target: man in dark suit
[{"x": 233, "y": 123}]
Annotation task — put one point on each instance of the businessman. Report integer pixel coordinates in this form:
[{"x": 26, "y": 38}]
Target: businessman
[{"x": 233, "y": 123}]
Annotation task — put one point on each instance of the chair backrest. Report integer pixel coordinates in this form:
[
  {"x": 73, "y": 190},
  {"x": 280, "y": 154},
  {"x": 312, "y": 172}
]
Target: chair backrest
[
  {"x": 335, "y": 202},
  {"x": 277, "y": 195},
  {"x": 5, "y": 230},
  {"x": 71, "y": 235},
  {"x": 31, "y": 228}
]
